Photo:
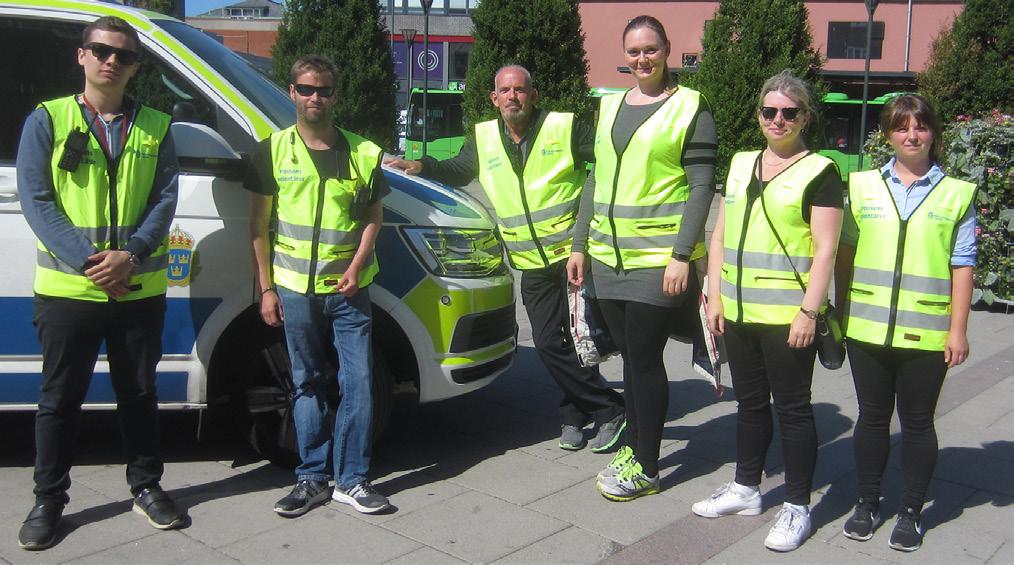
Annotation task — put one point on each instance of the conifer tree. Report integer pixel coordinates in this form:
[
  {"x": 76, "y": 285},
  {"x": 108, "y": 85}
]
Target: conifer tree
[
  {"x": 971, "y": 70},
  {"x": 744, "y": 45},
  {"x": 543, "y": 36},
  {"x": 352, "y": 34}
]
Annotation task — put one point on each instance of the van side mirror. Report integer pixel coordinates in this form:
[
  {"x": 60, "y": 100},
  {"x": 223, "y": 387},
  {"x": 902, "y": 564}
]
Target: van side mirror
[{"x": 203, "y": 150}]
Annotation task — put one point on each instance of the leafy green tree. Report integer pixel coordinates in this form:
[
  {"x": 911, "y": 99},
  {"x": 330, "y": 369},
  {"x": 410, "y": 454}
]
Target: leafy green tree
[
  {"x": 163, "y": 6},
  {"x": 545, "y": 37},
  {"x": 747, "y": 43},
  {"x": 352, "y": 34},
  {"x": 971, "y": 68}
]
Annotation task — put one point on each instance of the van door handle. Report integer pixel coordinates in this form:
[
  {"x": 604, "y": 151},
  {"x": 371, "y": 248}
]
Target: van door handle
[{"x": 8, "y": 190}]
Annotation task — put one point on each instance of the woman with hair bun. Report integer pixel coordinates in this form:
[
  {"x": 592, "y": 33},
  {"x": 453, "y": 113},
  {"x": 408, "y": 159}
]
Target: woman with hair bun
[{"x": 641, "y": 220}]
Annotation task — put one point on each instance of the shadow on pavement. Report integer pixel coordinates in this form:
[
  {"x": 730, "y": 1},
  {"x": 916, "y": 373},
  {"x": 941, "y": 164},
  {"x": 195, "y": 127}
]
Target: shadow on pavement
[{"x": 441, "y": 440}]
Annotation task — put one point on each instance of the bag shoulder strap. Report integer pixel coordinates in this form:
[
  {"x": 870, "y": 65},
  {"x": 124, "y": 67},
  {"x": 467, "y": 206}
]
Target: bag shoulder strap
[{"x": 778, "y": 238}]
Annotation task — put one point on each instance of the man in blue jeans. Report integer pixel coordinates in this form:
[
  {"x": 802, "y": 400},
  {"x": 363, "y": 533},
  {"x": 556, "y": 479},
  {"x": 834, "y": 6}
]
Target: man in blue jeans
[{"x": 325, "y": 186}]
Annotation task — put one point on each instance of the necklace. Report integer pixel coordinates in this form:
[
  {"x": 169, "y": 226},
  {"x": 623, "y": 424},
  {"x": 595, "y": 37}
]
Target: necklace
[{"x": 778, "y": 163}]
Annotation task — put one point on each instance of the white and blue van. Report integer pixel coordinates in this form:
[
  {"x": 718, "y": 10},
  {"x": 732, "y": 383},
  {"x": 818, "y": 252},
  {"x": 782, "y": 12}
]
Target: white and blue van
[{"x": 444, "y": 312}]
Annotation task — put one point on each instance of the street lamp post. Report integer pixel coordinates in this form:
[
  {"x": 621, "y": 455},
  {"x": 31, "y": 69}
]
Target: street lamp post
[
  {"x": 408, "y": 34},
  {"x": 426, "y": 5},
  {"x": 871, "y": 6}
]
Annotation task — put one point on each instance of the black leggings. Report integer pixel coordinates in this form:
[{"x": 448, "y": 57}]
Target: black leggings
[
  {"x": 763, "y": 367},
  {"x": 912, "y": 378},
  {"x": 641, "y": 332}
]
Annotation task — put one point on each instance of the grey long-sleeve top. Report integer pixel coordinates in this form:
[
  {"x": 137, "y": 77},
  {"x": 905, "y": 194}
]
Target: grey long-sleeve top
[
  {"x": 698, "y": 158},
  {"x": 38, "y": 195}
]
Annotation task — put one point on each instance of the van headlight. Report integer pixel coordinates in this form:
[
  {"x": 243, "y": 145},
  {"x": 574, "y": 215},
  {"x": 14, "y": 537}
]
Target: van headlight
[{"x": 457, "y": 252}]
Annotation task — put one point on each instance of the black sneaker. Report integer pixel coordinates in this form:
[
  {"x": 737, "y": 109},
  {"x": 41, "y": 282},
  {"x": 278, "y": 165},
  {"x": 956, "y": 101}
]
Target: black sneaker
[
  {"x": 907, "y": 534},
  {"x": 305, "y": 496},
  {"x": 39, "y": 529},
  {"x": 155, "y": 505},
  {"x": 864, "y": 520},
  {"x": 363, "y": 497}
]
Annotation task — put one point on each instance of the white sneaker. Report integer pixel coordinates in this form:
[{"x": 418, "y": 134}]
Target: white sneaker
[
  {"x": 729, "y": 499},
  {"x": 792, "y": 527}
]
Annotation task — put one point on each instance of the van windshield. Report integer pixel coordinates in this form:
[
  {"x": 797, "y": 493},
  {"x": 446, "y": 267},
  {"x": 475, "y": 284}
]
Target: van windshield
[{"x": 253, "y": 84}]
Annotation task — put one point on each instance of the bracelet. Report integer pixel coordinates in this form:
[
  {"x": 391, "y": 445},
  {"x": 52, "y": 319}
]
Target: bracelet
[
  {"x": 811, "y": 314},
  {"x": 267, "y": 290}
]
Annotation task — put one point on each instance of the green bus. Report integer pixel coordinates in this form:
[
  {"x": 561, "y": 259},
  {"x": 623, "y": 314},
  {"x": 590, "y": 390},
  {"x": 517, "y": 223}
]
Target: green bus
[
  {"x": 446, "y": 133},
  {"x": 445, "y": 124},
  {"x": 842, "y": 140}
]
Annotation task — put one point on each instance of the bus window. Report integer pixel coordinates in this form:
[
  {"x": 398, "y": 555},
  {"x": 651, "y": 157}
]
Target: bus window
[{"x": 843, "y": 142}]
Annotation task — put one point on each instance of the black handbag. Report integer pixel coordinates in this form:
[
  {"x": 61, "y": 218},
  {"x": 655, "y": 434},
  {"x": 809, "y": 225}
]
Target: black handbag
[{"x": 830, "y": 340}]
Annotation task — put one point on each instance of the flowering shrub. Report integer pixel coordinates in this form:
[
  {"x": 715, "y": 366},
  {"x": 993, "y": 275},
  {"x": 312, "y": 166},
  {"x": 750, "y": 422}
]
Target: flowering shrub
[{"x": 978, "y": 150}]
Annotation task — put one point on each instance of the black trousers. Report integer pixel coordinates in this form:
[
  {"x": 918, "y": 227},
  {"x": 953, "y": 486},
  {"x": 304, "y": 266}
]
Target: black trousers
[
  {"x": 641, "y": 331},
  {"x": 912, "y": 379},
  {"x": 71, "y": 332},
  {"x": 764, "y": 367},
  {"x": 586, "y": 396}
]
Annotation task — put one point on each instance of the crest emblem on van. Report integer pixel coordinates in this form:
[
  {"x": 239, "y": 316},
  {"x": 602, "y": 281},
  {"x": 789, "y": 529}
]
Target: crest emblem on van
[{"x": 181, "y": 257}]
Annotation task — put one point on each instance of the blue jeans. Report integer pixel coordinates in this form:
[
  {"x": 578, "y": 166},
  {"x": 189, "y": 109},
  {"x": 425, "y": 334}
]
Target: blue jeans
[{"x": 309, "y": 321}]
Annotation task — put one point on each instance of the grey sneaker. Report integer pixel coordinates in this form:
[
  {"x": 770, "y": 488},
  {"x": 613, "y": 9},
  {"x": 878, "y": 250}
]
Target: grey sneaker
[
  {"x": 608, "y": 433},
  {"x": 631, "y": 483},
  {"x": 622, "y": 457},
  {"x": 304, "y": 496},
  {"x": 572, "y": 438},
  {"x": 363, "y": 497}
]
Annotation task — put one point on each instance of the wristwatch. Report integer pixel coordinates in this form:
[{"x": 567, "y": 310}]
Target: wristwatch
[
  {"x": 681, "y": 256},
  {"x": 811, "y": 314},
  {"x": 133, "y": 258}
]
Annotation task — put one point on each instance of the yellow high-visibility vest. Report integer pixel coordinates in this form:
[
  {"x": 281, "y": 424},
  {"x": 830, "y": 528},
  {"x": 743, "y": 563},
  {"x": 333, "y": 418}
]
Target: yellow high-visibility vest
[
  {"x": 536, "y": 209},
  {"x": 105, "y": 209},
  {"x": 758, "y": 282},
  {"x": 315, "y": 237},
  {"x": 640, "y": 194},
  {"x": 900, "y": 295}
]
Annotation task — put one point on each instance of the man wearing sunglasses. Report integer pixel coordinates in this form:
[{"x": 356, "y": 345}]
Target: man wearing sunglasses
[
  {"x": 325, "y": 186},
  {"x": 531, "y": 164},
  {"x": 97, "y": 179}
]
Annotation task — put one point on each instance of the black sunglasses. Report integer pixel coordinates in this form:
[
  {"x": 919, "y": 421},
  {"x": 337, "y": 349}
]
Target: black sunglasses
[
  {"x": 123, "y": 56},
  {"x": 769, "y": 113},
  {"x": 307, "y": 91}
]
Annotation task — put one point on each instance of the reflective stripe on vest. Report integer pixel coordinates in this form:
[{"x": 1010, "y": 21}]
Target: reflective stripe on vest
[
  {"x": 535, "y": 209},
  {"x": 88, "y": 197},
  {"x": 640, "y": 194},
  {"x": 900, "y": 295},
  {"x": 315, "y": 239},
  {"x": 758, "y": 281}
]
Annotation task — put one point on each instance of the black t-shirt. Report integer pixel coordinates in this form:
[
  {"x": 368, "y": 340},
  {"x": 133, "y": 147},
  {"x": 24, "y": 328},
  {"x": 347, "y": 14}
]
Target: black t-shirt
[{"x": 330, "y": 163}]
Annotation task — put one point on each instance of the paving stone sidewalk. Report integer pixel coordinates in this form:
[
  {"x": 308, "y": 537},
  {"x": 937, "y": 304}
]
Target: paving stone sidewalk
[{"x": 480, "y": 479}]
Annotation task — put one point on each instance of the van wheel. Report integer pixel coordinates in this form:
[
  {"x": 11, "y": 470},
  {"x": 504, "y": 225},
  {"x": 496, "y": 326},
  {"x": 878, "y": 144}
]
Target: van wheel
[{"x": 269, "y": 395}]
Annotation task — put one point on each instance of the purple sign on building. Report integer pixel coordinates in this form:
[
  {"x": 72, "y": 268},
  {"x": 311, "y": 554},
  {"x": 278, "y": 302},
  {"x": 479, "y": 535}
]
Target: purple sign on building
[{"x": 435, "y": 60}]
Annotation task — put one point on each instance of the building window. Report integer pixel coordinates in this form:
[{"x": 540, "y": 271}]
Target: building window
[
  {"x": 457, "y": 60},
  {"x": 246, "y": 13},
  {"x": 847, "y": 40},
  {"x": 439, "y": 7}
]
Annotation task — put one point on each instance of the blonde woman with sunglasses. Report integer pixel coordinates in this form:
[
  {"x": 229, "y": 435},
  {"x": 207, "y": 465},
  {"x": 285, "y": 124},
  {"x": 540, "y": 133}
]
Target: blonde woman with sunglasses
[{"x": 776, "y": 233}]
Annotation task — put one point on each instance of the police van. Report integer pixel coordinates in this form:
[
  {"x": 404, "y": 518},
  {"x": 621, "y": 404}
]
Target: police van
[{"x": 443, "y": 303}]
